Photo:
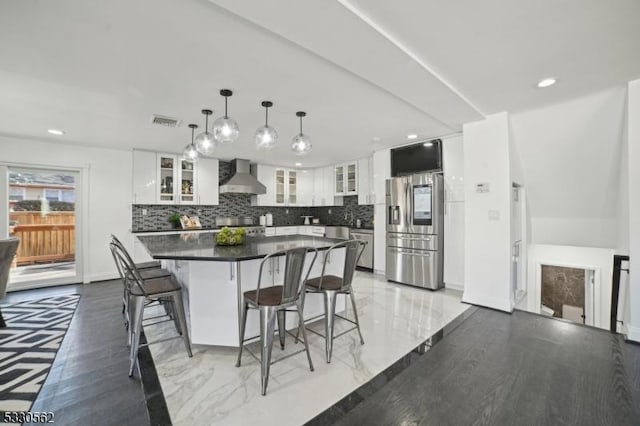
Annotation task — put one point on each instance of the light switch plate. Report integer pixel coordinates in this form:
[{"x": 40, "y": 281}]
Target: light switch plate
[{"x": 494, "y": 214}]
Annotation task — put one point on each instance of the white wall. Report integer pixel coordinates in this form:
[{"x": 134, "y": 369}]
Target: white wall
[
  {"x": 633, "y": 133},
  {"x": 109, "y": 190},
  {"x": 488, "y": 240},
  {"x": 570, "y": 155}
]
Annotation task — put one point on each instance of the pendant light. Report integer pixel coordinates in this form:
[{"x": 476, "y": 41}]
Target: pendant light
[
  {"x": 225, "y": 128},
  {"x": 301, "y": 144},
  {"x": 205, "y": 143},
  {"x": 190, "y": 152},
  {"x": 266, "y": 136}
]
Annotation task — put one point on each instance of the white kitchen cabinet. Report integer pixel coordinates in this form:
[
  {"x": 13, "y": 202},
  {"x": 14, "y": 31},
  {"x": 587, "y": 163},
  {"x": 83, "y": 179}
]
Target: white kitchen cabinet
[
  {"x": 453, "y": 168},
  {"x": 365, "y": 181},
  {"x": 208, "y": 182},
  {"x": 318, "y": 197},
  {"x": 177, "y": 180},
  {"x": 286, "y": 187},
  {"x": 305, "y": 188},
  {"x": 454, "y": 245},
  {"x": 381, "y": 172},
  {"x": 346, "y": 179},
  {"x": 286, "y": 230},
  {"x": 160, "y": 178},
  {"x": 265, "y": 175},
  {"x": 144, "y": 177}
]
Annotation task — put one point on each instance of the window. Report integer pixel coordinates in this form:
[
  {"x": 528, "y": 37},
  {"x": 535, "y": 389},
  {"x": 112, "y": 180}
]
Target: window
[
  {"x": 17, "y": 194},
  {"x": 68, "y": 195},
  {"x": 52, "y": 194}
]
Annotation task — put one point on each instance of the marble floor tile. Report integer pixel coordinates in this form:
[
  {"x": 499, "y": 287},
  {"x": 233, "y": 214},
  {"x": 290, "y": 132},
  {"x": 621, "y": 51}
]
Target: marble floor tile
[{"x": 209, "y": 389}]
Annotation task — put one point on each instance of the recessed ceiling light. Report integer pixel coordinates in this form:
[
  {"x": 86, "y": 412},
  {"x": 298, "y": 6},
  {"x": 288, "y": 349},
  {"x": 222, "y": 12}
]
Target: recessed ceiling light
[
  {"x": 428, "y": 144},
  {"x": 298, "y": 164},
  {"x": 376, "y": 139},
  {"x": 412, "y": 136},
  {"x": 546, "y": 82},
  {"x": 56, "y": 132}
]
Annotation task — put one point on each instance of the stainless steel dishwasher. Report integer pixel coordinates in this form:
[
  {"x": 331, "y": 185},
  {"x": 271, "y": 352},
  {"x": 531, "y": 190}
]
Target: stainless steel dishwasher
[{"x": 366, "y": 260}]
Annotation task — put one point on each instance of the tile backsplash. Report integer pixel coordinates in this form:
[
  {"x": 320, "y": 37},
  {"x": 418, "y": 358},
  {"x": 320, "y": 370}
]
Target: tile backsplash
[{"x": 157, "y": 216}]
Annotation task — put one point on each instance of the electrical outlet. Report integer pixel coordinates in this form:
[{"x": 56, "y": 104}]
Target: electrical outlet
[
  {"x": 286, "y": 211},
  {"x": 144, "y": 212},
  {"x": 494, "y": 214},
  {"x": 329, "y": 211}
]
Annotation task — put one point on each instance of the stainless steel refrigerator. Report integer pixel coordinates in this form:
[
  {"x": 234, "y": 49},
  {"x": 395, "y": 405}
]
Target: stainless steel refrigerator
[{"x": 415, "y": 223}]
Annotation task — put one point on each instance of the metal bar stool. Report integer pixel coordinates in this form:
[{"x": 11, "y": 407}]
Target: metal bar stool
[
  {"x": 141, "y": 291},
  {"x": 148, "y": 270},
  {"x": 8, "y": 249},
  {"x": 273, "y": 301},
  {"x": 330, "y": 286}
]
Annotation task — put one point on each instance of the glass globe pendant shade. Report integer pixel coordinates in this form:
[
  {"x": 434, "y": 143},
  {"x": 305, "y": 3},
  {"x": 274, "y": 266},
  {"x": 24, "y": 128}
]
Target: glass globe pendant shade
[
  {"x": 225, "y": 130},
  {"x": 266, "y": 137},
  {"x": 205, "y": 143},
  {"x": 190, "y": 152},
  {"x": 301, "y": 144}
]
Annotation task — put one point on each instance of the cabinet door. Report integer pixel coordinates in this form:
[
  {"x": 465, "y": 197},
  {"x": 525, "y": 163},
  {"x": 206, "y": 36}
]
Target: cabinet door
[
  {"x": 305, "y": 188},
  {"x": 364, "y": 193},
  {"x": 318, "y": 198},
  {"x": 351, "y": 182},
  {"x": 167, "y": 176},
  {"x": 266, "y": 175},
  {"x": 280, "y": 187},
  {"x": 144, "y": 177},
  {"x": 208, "y": 181},
  {"x": 187, "y": 190},
  {"x": 453, "y": 168},
  {"x": 454, "y": 245},
  {"x": 338, "y": 188},
  {"x": 381, "y": 172},
  {"x": 292, "y": 188}
]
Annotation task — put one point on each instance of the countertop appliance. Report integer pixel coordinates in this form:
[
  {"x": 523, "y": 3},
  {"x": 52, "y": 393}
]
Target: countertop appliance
[
  {"x": 269, "y": 218},
  {"x": 414, "y": 225},
  {"x": 366, "y": 260},
  {"x": 307, "y": 219}
]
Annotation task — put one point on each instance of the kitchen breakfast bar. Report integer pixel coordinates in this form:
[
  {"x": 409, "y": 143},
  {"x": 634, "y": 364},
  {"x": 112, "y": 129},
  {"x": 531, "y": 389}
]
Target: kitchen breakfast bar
[{"x": 215, "y": 278}]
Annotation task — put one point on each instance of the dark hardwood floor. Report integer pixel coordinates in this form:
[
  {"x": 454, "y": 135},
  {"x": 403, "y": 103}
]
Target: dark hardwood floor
[
  {"x": 520, "y": 369},
  {"x": 88, "y": 382}
]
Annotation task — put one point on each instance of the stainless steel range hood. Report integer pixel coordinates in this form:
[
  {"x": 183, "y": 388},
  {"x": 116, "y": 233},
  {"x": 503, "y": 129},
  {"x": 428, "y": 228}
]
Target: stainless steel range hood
[{"x": 242, "y": 181}]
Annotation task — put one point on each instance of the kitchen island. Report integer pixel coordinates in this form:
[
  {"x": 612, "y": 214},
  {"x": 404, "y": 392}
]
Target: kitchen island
[{"x": 214, "y": 279}]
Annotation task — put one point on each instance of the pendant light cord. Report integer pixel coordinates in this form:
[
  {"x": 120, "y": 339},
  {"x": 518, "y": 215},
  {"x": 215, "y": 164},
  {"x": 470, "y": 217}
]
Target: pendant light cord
[
  {"x": 225, "y": 107},
  {"x": 206, "y": 123},
  {"x": 193, "y": 129},
  {"x": 301, "y": 125},
  {"x": 266, "y": 116}
]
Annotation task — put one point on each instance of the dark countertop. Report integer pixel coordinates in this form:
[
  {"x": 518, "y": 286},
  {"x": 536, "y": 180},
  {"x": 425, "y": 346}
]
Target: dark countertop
[
  {"x": 202, "y": 246},
  {"x": 215, "y": 228}
]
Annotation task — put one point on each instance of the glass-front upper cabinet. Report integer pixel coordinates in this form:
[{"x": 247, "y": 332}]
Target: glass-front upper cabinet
[
  {"x": 339, "y": 180},
  {"x": 280, "y": 186},
  {"x": 166, "y": 178},
  {"x": 293, "y": 183},
  {"x": 187, "y": 188},
  {"x": 352, "y": 179}
]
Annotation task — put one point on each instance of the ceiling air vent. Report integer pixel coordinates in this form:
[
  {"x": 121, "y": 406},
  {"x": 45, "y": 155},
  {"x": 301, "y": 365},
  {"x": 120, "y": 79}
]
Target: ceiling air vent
[{"x": 163, "y": 120}]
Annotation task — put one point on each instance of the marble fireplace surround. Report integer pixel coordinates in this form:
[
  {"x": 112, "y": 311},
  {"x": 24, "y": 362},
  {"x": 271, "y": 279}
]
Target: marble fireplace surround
[{"x": 209, "y": 389}]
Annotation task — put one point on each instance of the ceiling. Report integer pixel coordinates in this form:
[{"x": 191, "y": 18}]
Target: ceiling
[{"x": 360, "y": 69}]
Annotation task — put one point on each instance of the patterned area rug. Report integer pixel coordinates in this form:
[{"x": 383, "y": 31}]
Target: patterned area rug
[{"x": 28, "y": 346}]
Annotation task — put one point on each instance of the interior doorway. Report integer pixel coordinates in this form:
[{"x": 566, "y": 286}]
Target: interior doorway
[
  {"x": 41, "y": 206},
  {"x": 567, "y": 293}
]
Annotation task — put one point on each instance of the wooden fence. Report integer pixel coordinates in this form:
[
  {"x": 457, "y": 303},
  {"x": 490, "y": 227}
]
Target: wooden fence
[{"x": 44, "y": 239}]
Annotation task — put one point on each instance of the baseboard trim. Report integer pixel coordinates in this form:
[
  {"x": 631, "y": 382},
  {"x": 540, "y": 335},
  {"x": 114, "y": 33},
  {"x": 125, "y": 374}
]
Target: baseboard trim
[
  {"x": 452, "y": 286},
  {"x": 633, "y": 333},
  {"x": 101, "y": 276},
  {"x": 489, "y": 302}
]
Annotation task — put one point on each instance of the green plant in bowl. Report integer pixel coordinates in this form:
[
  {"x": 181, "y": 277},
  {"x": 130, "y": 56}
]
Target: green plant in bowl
[{"x": 228, "y": 237}]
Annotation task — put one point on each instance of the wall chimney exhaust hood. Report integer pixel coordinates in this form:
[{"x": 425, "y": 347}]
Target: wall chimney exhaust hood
[{"x": 242, "y": 181}]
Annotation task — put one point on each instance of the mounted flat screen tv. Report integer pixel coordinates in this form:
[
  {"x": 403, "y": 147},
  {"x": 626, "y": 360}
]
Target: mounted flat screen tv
[{"x": 425, "y": 156}]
